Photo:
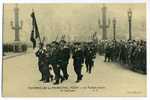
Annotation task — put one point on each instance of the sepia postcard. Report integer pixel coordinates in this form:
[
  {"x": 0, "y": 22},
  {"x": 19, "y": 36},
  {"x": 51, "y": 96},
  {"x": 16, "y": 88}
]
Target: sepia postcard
[{"x": 74, "y": 50}]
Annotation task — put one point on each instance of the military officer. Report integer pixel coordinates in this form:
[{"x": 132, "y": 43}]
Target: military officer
[
  {"x": 89, "y": 57},
  {"x": 64, "y": 55},
  {"x": 78, "y": 60},
  {"x": 55, "y": 62},
  {"x": 43, "y": 63}
]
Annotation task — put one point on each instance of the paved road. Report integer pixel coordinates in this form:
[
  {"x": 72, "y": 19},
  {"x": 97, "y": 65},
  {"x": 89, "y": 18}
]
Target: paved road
[{"x": 21, "y": 75}]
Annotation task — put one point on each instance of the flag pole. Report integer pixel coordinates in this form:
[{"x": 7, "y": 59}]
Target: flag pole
[{"x": 35, "y": 29}]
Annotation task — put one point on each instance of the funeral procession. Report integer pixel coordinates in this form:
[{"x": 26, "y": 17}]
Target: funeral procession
[{"x": 58, "y": 44}]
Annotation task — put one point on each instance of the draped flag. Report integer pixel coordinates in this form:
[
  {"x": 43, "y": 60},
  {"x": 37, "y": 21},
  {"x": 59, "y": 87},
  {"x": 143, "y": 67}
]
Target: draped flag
[
  {"x": 35, "y": 32},
  {"x": 32, "y": 39}
]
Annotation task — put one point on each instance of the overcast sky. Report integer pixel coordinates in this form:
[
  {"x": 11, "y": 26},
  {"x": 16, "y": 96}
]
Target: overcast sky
[{"x": 74, "y": 20}]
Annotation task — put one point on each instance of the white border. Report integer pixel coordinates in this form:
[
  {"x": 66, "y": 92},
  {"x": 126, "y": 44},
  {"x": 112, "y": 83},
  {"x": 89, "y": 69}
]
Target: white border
[
  {"x": 80, "y": 1},
  {"x": 74, "y": 1}
]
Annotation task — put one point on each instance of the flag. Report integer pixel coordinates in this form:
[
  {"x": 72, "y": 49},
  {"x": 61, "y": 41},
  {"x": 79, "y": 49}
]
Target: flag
[
  {"x": 32, "y": 39},
  {"x": 34, "y": 23},
  {"x": 35, "y": 32}
]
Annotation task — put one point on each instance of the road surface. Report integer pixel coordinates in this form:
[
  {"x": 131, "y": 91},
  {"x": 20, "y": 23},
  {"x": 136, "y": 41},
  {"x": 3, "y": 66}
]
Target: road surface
[{"x": 21, "y": 78}]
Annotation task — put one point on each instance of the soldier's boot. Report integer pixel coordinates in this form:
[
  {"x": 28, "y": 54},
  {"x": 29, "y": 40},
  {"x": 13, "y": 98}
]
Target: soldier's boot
[
  {"x": 56, "y": 83},
  {"x": 81, "y": 76},
  {"x": 77, "y": 81},
  {"x": 46, "y": 77},
  {"x": 47, "y": 80},
  {"x": 90, "y": 69},
  {"x": 66, "y": 77},
  {"x": 78, "y": 78},
  {"x": 62, "y": 79},
  {"x": 65, "y": 74}
]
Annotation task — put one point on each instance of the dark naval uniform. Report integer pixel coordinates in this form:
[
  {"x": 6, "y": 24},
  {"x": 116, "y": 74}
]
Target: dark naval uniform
[
  {"x": 89, "y": 58},
  {"x": 55, "y": 63},
  {"x": 43, "y": 64},
  {"x": 78, "y": 60},
  {"x": 64, "y": 55}
]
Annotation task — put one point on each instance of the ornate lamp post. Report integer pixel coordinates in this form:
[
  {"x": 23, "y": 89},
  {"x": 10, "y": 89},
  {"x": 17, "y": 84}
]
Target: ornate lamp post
[
  {"x": 16, "y": 26},
  {"x": 104, "y": 25},
  {"x": 130, "y": 23}
]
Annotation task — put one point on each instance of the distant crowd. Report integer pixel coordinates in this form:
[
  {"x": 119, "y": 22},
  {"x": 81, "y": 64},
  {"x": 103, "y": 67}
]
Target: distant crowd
[{"x": 131, "y": 53}]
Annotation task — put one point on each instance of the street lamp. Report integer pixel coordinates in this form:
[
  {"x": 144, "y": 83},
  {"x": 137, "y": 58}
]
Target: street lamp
[
  {"x": 114, "y": 28},
  {"x": 130, "y": 19}
]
